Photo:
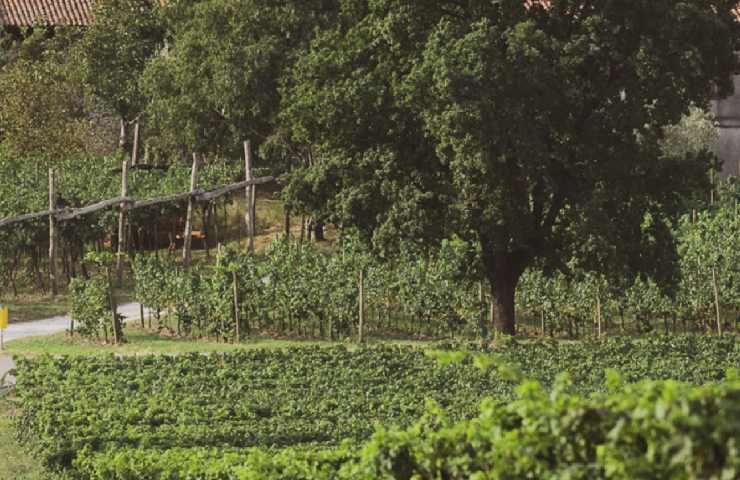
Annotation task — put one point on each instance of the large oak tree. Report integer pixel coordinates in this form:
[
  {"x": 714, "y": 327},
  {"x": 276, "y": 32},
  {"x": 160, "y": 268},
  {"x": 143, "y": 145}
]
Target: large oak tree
[{"x": 534, "y": 131}]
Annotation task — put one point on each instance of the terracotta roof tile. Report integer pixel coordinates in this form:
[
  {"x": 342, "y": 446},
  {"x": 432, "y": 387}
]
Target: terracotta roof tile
[{"x": 25, "y": 13}]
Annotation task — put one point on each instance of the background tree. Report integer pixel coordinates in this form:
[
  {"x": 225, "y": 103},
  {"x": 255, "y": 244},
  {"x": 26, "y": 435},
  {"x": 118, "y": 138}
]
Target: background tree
[
  {"x": 114, "y": 50},
  {"x": 43, "y": 109},
  {"x": 217, "y": 85},
  {"x": 533, "y": 131}
]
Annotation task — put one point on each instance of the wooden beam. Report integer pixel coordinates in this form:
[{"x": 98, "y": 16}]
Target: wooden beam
[
  {"x": 65, "y": 214},
  {"x": 213, "y": 194},
  {"x": 150, "y": 202},
  {"x": 24, "y": 218}
]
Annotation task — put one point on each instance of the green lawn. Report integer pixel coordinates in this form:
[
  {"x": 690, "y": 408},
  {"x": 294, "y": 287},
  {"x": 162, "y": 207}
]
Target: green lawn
[
  {"x": 15, "y": 462},
  {"x": 35, "y": 307},
  {"x": 138, "y": 342}
]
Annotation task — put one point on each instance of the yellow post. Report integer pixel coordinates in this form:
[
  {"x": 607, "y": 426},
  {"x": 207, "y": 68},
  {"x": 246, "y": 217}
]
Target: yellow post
[{"x": 3, "y": 324}]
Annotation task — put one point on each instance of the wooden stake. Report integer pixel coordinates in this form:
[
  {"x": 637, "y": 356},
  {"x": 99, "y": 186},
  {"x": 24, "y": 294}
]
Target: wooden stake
[
  {"x": 135, "y": 151},
  {"x": 598, "y": 315},
  {"x": 122, "y": 137},
  {"x": 53, "y": 232},
  {"x": 287, "y": 225},
  {"x": 481, "y": 305},
  {"x": 362, "y": 307},
  {"x": 188, "y": 235},
  {"x": 251, "y": 210},
  {"x": 236, "y": 306},
  {"x": 716, "y": 300},
  {"x": 117, "y": 334},
  {"x": 542, "y": 322},
  {"x": 122, "y": 223}
]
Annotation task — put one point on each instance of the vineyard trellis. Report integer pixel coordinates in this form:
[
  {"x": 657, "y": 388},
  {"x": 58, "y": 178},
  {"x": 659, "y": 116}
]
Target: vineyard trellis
[{"x": 127, "y": 203}]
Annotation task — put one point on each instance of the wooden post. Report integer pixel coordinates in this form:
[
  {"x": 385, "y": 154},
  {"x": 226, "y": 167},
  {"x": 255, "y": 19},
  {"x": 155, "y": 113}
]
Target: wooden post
[
  {"x": 287, "y": 224},
  {"x": 117, "y": 334},
  {"x": 482, "y": 311},
  {"x": 362, "y": 306},
  {"x": 53, "y": 232},
  {"x": 122, "y": 137},
  {"x": 188, "y": 235},
  {"x": 542, "y": 322},
  {"x": 135, "y": 150},
  {"x": 251, "y": 210},
  {"x": 598, "y": 315},
  {"x": 236, "y": 305},
  {"x": 141, "y": 313},
  {"x": 716, "y": 300},
  {"x": 122, "y": 223}
]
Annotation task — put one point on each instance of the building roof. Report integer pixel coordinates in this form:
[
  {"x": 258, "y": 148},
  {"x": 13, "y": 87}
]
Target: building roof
[{"x": 26, "y": 13}]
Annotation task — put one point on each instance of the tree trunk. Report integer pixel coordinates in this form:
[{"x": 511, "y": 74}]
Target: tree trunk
[
  {"x": 318, "y": 230},
  {"x": 504, "y": 274}
]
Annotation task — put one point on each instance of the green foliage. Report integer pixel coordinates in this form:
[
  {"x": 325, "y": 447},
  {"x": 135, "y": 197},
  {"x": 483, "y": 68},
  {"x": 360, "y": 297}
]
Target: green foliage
[
  {"x": 299, "y": 289},
  {"x": 302, "y": 413},
  {"x": 661, "y": 430},
  {"x": 708, "y": 243},
  {"x": 43, "y": 114},
  {"x": 218, "y": 84},
  {"x": 536, "y": 132},
  {"x": 90, "y": 310},
  {"x": 91, "y": 298},
  {"x": 114, "y": 50}
]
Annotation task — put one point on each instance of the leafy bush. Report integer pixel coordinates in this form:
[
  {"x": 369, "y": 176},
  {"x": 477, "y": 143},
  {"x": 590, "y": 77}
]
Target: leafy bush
[
  {"x": 90, "y": 305},
  {"x": 106, "y": 416},
  {"x": 657, "y": 430}
]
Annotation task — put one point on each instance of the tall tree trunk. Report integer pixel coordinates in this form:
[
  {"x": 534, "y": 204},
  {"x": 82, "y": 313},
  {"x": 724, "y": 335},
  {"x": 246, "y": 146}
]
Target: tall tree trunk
[{"x": 503, "y": 273}]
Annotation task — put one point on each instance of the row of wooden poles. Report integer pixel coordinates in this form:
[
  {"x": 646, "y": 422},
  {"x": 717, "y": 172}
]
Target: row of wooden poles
[{"x": 126, "y": 203}]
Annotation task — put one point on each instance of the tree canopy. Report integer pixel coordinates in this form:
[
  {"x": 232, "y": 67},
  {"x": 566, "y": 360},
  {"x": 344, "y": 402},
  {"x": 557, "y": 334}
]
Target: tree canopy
[{"x": 533, "y": 131}]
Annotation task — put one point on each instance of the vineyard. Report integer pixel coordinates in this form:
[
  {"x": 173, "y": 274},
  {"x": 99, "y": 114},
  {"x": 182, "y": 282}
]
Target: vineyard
[
  {"x": 496, "y": 240},
  {"x": 303, "y": 413},
  {"x": 301, "y": 290}
]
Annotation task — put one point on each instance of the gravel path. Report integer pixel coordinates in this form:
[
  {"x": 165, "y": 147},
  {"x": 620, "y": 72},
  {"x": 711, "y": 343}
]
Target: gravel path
[{"x": 51, "y": 326}]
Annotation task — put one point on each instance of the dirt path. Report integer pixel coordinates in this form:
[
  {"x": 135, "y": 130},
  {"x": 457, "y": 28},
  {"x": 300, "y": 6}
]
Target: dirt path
[{"x": 50, "y": 326}]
